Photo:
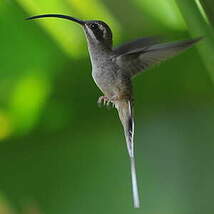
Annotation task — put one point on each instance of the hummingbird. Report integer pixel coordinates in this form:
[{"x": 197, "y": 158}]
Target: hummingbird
[{"x": 113, "y": 69}]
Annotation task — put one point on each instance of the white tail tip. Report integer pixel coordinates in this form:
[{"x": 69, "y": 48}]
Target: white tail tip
[{"x": 135, "y": 192}]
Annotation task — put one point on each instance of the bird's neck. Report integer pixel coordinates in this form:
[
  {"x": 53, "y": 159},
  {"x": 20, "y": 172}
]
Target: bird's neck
[{"x": 98, "y": 51}]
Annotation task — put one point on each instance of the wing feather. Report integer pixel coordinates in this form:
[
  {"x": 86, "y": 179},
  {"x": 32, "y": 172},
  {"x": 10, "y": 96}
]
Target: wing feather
[
  {"x": 139, "y": 60},
  {"x": 136, "y": 45}
]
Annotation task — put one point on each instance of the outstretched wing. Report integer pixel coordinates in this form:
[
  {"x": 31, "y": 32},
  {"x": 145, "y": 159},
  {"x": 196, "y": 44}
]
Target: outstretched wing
[
  {"x": 136, "y": 45},
  {"x": 138, "y": 60}
]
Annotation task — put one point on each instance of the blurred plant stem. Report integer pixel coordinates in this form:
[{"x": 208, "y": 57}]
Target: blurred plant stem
[
  {"x": 198, "y": 27},
  {"x": 208, "y": 6}
]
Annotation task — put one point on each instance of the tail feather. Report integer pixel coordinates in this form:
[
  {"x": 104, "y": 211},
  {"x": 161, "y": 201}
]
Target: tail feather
[
  {"x": 135, "y": 192},
  {"x": 126, "y": 116}
]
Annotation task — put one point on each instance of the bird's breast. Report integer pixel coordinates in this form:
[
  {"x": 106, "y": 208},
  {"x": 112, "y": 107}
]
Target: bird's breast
[
  {"x": 105, "y": 76},
  {"x": 111, "y": 80}
]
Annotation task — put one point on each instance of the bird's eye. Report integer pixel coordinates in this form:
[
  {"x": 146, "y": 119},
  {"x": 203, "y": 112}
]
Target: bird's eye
[
  {"x": 94, "y": 26},
  {"x": 97, "y": 31}
]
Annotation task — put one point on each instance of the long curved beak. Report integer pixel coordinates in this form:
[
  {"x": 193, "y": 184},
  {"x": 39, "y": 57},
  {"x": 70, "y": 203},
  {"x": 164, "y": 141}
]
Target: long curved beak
[{"x": 57, "y": 16}]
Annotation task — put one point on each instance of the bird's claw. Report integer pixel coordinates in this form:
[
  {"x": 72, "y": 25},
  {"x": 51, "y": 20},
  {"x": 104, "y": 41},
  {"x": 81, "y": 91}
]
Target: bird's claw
[
  {"x": 105, "y": 101},
  {"x": 102, "y": 100}
]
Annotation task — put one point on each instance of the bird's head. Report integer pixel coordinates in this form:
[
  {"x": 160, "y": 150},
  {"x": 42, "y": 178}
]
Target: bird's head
[{"x": 97, "y": 32}]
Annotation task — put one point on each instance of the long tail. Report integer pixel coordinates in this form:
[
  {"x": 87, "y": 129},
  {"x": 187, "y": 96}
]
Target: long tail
[{"x": 126, "y": 116}]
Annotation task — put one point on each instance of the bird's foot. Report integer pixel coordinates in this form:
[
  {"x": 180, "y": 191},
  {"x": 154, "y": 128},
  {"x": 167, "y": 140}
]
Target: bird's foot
[
  {"x": 102, "y": 99},
  {"x": 105, "y": 101},
  {"x": 114, "y": 98}
]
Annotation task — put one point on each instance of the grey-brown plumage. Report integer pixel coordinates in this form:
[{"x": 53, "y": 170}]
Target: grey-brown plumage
[{"x": 113, "y": 69}]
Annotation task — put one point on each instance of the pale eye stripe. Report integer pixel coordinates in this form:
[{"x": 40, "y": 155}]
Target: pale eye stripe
[
  {"x": 103, "y": 30},
  {"x": 90, "y": 32}
]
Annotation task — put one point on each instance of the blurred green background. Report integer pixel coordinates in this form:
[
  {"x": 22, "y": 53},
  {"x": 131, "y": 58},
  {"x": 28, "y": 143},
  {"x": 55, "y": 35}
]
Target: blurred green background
[{"x": 60, "y": 153}]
